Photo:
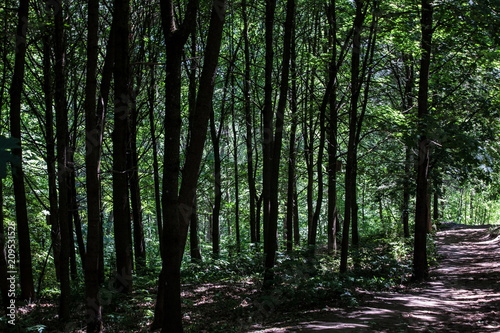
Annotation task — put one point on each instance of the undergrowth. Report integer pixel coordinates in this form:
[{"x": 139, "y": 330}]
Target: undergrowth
[{"x": 225, "y": 294}]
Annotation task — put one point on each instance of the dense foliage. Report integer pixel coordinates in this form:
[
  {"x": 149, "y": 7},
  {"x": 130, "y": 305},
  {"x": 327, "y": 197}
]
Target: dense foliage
[{"x": 338, "y": 104}]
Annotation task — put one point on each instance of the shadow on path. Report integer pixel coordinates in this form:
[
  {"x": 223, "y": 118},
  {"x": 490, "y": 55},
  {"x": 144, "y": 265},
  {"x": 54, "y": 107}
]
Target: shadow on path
[{"x": 463, "y": 294}]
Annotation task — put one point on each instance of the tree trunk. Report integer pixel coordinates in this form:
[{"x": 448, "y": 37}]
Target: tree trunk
[
  {"x": 270, "y": 242},
  {"x": 176, "y": 220},
  {"x": 435, "y": 205},
  {"x": 135, "y": 193},
  {"x": 408, "y": 102},
  {"x": 249, "y": 126},
  {"x": 194, "y": 244},
  {"x": 406, "y": 194},
  {"x": 121, "y": 142},
  {"x": 215, "y": 135},
  {"x": 236, "y": 167},
  {"x": 156, "y": 169},
  {"x": 92, "y": 158},
  {"x": 96, "y": 136},
  {"x": 420, "y": 265},
  {"x": 172, "y": 320},
  {"x": 24, "y": 245},
  {"x": 350, "y": 213},
  {"x": 168, "y": 299},
  {"x": 51, "y": 155},
  {"x": 64, "y": 172},
  {"x": 292, "y": 154},
  {"x": 332, "y": 129}
]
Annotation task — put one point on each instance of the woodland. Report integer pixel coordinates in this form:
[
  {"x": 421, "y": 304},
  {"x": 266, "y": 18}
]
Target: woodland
[{"x": 198, "y": 165}]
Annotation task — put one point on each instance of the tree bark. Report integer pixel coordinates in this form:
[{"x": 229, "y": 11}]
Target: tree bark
[
  {"x": 267, "y": 144},
  {"x": 350, "y": 210},
  {"x": 62, "y": 135},
  {"x": 254, "y": 235},
  {"x": 422, "y": 211},
  {"x": 121, "y": 142},
  {"x": 92, "y": 158},
  {"x": 194, "y": 244},
  {"x": 176, "y": 238},
  {"x": 292, "y": 153},
  {"x": 236, "y": 166},
  {"x": 168, "y": 299},
  {"x": 51, "y": 155},
  {"x": 135, "y": 193},
  {"x": 154, "y": 143},
  {"x": 16, "y": 89},
  {"x": 215, "y": 135},
  {"x": 332, "y": 226},
  {"x": 271, "y": 242},
  {"x": 408, "y": 102}
]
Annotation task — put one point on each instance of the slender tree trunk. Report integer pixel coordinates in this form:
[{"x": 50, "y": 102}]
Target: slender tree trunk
[
  {"x": 92, "y": 157},
  {"x": 16, "y": 89},
  {"x": 168, "y": 300},
  {"x": 350, "y": 213},
  {"x": 156, "y": 169},
  {"x": 77, "y": 221},
  {"x": 64, "y": 171},
  {"x": 194, "y": 224},
  {"x": 121, "y": 142},
  {"x": 332, "y": 137},
  {"x": 267, "y": 141},
  {"x": 135, "y": 193},
  {"x": 172, "y": 320},
  {"x": 319, "y": 169},
  {"x": 420, "y": 265},
  {"x": 366, "y": 79},
  {"x": 408, "y": 102},
  {"x": 406, "y": 194},
  {"x": 51, "y": 155},
  {"x": 236, "y": 168},
  {"x": 74, "y": 216},
  {"x": 270, "y": 243},
  {"x": 215, "y": 135},
  {"x": 249, "y": 127},
  {"x": 292, "y": 154},
  {"x": 435, "y": 205},
  {"x": 96, "y": 136},
  {"x": 194, "y": 245}
]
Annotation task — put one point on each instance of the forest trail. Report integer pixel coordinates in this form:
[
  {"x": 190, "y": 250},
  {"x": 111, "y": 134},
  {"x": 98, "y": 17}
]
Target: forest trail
[{"x": 463, "y": 294}]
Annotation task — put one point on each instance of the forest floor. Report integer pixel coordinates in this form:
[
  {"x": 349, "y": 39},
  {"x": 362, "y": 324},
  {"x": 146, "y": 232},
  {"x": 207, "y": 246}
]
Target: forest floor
[{"x": 462, "y": 295}]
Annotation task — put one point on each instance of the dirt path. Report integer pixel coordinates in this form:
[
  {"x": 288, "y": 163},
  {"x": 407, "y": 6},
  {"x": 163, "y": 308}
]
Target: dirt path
[{"x": 463, "y": 294}]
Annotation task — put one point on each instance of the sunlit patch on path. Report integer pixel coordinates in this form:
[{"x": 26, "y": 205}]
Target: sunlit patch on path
[{"x": 463, "y": 294}]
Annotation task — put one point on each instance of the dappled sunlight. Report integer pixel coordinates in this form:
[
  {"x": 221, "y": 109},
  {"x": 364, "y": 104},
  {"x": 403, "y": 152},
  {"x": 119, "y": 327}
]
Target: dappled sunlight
[
  {"x": 320, "y": 326},
  {"x": 463, "y": 294}
]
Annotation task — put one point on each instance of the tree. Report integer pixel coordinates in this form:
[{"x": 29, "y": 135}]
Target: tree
[
  {"x": 176, "y": 225},
  {"x": 93, "y": 130},
  {"x": 273, "y": 139},
  {"x": 63, "y": 168},
  {"x": 16, "y": 89},
  {"x": 121, "y": 143},
  {"x": 254, "y": 229},
  {"x": 351, "y": 206},
  {"x": 422, "y": 209},
  {"x": 175, "y": 35}
]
